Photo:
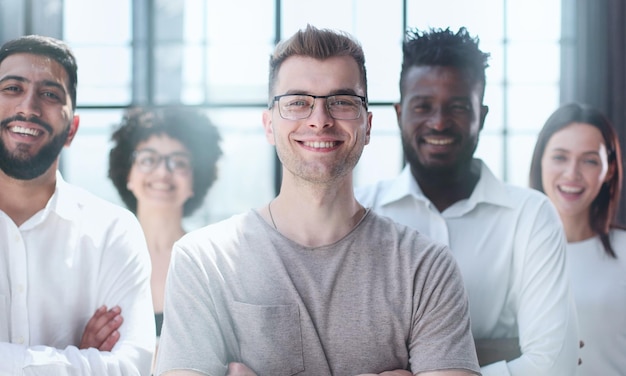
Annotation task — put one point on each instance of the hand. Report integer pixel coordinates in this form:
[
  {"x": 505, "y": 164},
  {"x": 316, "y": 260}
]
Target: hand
[
  {"x": 101, "y": 331},
  {"x": 239, "y": 369}
]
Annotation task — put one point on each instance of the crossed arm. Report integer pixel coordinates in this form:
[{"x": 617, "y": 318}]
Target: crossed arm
[
  {"x": 494, "y": 350},
  {"x": 96, "y": 348},
  {"x": 240, "y": 369}
]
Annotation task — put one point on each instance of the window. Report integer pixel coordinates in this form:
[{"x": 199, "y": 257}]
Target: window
[
  {"x": 523, "y": 78},
  {"x": 214, "y": 54}
]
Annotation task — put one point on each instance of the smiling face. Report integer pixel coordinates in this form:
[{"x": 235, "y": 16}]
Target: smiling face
[
  {"x": 160, "y": 187},
  {"x": 440, "y": 117},
  {"x": 318, "y": 149},
  {"x": 573, "y": 168},
  {"x": 36, "y": 117}
]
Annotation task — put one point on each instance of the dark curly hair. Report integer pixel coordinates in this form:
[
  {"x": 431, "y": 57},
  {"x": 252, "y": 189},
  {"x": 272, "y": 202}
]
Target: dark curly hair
[
  {"x": 443, "y": 47},
  {"x": 604, "y": 206},
  {"x": 187, "y": 125}
]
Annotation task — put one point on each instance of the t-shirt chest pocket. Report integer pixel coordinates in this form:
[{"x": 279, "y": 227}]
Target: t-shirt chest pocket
[{"x": 270, "y": 338}]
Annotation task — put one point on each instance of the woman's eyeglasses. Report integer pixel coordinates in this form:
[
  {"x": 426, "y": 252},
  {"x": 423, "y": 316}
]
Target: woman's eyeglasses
[{"x": 147, "y": 160}]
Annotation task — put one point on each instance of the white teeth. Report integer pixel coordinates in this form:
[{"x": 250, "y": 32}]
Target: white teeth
[
  {"x": 320, "y": 144},
  {"x": 24, "y": 130},
  {"x": 161, "y": 186},
  {"x": 568, "y": 189},
  {"x": 438, "y": 141}
]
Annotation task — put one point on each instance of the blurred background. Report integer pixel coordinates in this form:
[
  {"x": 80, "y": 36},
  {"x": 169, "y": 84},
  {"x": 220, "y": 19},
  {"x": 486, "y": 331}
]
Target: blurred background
[{"x": 214, "y": 54}]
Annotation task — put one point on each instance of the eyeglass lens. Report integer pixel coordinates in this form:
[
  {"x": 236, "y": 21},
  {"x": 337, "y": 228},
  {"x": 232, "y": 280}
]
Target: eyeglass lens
[
  {"x": 340, "y": 107},
  {"x": 147, "y": 160}
]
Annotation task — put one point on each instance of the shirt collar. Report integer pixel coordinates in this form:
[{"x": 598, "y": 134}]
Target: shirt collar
[
  {"x": 403, "y": 185},
  {"x": 64, "y": 202},
  {"x": 489, "y": 189}
]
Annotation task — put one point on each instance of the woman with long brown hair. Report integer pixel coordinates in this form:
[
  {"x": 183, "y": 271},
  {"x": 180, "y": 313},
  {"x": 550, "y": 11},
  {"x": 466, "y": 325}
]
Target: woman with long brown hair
[{"x": 577, "y": 163}]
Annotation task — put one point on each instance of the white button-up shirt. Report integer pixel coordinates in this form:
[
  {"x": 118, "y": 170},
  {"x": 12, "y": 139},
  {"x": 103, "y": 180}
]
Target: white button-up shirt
[
  {"x": 56, "y": 269},
  {"x": 510, "y": 247}
]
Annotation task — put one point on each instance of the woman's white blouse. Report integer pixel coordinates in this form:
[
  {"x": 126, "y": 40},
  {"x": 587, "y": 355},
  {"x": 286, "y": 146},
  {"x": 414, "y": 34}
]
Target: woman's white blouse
[{"x": 599, "y": 286}]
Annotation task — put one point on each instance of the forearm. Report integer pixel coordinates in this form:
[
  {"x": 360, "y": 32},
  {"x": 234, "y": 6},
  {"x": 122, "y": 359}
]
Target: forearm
[
  {"x": 240, "y": 369},
  {"x": 494, "y": 350},
  {"x": 182, "y": 373},
  {"x": 45, "y": 360},
  {"x": 397, "y": 372},
  {"x": 504, "y": 361}
]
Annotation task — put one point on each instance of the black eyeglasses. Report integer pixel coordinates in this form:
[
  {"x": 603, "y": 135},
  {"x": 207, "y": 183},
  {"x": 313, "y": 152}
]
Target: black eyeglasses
[
  {"x": 147, "y": 160},
  {"x": 339, "y": 106}
]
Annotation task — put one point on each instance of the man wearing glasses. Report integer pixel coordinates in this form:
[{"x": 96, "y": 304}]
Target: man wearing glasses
[{"x": 313, "y": 283}]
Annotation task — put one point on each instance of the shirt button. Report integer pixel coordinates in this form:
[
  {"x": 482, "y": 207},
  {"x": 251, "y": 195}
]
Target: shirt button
[
  {"x": 20, "y": 288},
  {"x": 17, "y": 238},
  {"x": 19, "y": 340}
]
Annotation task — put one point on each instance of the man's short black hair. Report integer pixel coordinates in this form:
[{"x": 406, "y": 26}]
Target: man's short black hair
[
  {"x": 443, "y": 47},
  {"x": 49, "y": 47}
]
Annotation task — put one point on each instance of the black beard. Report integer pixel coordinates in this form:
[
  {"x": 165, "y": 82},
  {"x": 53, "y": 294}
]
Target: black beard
[
  {"x": 32, "y": 167},
  {"x": 437, "y": 173}
]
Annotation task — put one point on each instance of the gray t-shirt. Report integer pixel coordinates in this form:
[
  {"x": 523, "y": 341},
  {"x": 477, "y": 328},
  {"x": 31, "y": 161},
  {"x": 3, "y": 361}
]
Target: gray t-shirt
[{"x": 384, "y": 297}]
